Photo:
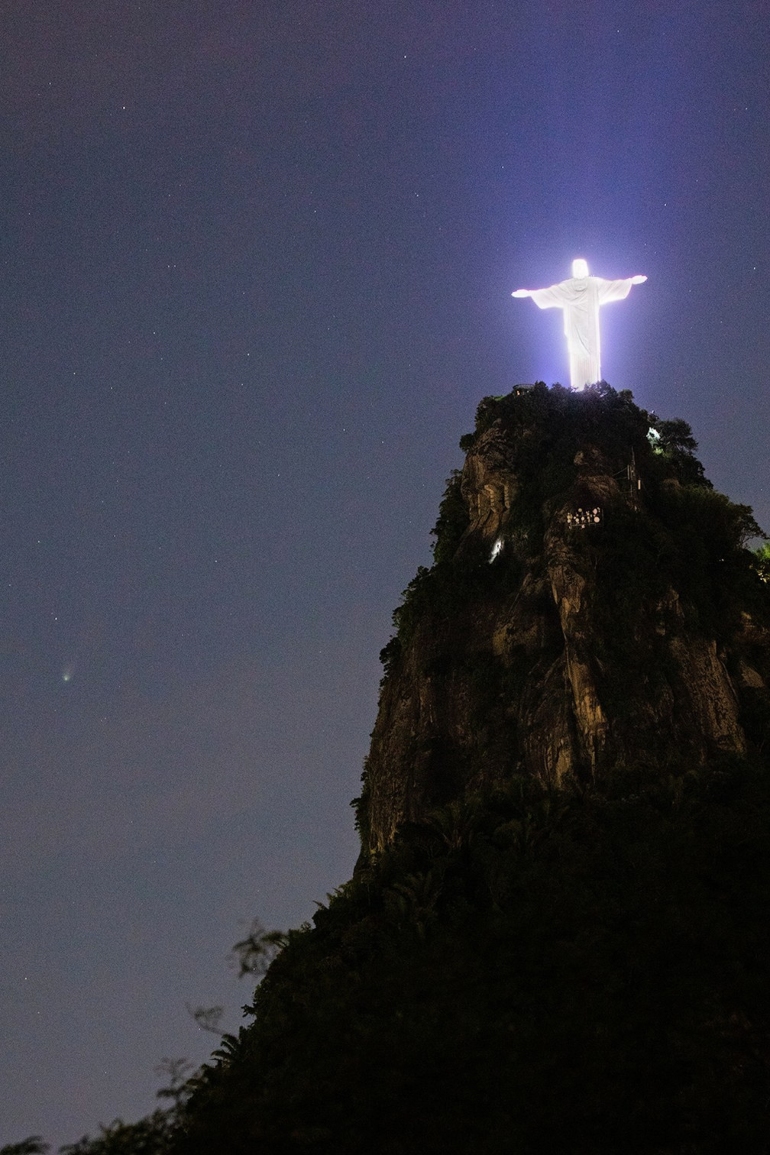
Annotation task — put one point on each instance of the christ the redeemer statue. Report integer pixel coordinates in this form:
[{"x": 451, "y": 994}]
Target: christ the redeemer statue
[{"x": 580, "y": 298}]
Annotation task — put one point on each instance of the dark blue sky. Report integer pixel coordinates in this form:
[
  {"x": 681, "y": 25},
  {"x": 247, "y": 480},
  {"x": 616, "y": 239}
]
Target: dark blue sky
[{"x": 255, "y": 273}]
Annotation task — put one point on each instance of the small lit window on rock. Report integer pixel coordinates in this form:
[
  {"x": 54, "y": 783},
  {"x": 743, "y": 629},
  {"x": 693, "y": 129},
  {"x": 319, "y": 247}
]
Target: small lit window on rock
[{"x": 581, "y": 518}]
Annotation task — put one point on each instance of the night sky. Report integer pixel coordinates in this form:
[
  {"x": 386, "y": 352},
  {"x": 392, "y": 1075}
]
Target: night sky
[{"x": 255, "y": 272}]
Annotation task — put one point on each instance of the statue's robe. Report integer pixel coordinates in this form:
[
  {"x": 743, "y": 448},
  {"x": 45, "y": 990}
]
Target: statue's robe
[{"x": 580, "y": 298}]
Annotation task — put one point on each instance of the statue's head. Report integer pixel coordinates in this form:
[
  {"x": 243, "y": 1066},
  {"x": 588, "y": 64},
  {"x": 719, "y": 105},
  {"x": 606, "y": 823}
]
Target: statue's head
[{"x": 580, "y": 268}]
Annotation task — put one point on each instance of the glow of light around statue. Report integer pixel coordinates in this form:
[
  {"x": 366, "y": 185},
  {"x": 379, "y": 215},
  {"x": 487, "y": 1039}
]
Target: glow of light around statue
[{"x": 580, "y": 298}]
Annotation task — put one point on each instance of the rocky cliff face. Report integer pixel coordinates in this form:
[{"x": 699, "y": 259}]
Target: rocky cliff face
[{"x": 591, "y": 612}]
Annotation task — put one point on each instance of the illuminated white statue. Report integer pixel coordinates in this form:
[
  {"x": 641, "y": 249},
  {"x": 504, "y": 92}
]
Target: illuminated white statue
[{"x": 580, "y": 298}]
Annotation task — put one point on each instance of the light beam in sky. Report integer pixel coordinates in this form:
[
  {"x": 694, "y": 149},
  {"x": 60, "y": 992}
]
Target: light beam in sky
[{"x": 580, "y": 297}]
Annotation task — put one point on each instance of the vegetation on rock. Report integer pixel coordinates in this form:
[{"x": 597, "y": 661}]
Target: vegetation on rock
[
  {"x": 528, "y": 962},
  {"x": 592, "y": 605},
  {"x": 535, "y": 970},
  {"x": 556, "y": 938}
]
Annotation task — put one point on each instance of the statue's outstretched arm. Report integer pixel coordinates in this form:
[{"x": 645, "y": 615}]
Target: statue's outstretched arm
[
  {"x": 544, "y": 298},
  {"x": 616, "y": 290}
]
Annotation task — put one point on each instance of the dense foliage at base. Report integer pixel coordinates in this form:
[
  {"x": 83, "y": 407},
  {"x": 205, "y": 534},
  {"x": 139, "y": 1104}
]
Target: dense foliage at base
[
  {"x": 581, "y": 972},
  {"x": 572, "y": 972}
]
